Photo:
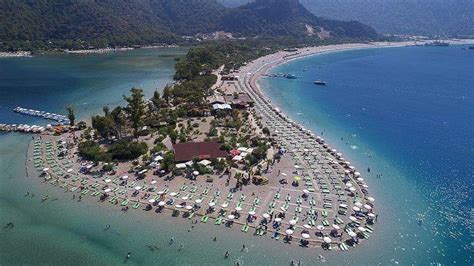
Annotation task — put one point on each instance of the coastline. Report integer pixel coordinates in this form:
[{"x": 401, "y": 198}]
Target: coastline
[
  {"x": 46, "y": 185},
  {"x": 262, "y": 65},
  {"x": 331, "y": 164}
]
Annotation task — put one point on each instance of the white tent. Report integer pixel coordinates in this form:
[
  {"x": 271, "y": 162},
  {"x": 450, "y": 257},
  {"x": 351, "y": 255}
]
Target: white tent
[
  {"x": 180, "y": 166},
  {"x": 205, "y": 162}
]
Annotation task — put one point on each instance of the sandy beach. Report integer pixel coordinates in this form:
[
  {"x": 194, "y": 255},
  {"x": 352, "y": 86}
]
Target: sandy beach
[{"x": 15, "y": 54}]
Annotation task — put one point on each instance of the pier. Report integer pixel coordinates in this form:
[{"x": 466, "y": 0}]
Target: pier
[
  {"x": 61, "y": 119},
  {"x": 24, "y": 128}
]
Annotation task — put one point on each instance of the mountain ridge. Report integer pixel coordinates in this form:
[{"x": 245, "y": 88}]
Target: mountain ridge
[{"x": 45, "y": 24}]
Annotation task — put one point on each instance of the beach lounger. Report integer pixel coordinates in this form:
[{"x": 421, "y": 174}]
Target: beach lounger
[
  {"x": 204, "y": 219},
  {"x": 245, "y": 228},
  {"x": 113, "y": 200},
  {"x": 124, "y": 202},
  {"x": 136, "y": 205},
  {"x": 218, "y": 221}
]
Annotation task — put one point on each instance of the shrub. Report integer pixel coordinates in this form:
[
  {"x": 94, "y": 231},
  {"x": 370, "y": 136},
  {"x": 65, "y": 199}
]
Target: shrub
[{"x": 127, "y": 150}]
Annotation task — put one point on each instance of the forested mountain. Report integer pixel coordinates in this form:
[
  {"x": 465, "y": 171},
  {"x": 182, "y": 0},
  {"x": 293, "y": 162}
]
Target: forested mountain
[
  {"x": 290, "y": 18},
  {"x": 44, "y": 24},
  {"x": 426, "y": 17}
]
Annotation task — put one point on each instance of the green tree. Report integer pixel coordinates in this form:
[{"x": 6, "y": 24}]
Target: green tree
[
  {"x": 167, "y": 94},
  {"x": 104, "y": 126},
  {"x": 156, "y": 100},
  {"x": 71, "y": 115},
  {"x": 135, "y": 109},
  {"x": 119, "y": 119}
]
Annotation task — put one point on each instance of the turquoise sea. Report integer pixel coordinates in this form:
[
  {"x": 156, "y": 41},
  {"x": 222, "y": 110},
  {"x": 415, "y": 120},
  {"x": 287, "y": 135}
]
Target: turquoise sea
[{"x": 406, "y": 113}]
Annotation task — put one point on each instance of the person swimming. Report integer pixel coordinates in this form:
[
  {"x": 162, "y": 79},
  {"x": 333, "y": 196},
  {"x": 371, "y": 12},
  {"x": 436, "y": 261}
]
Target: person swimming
[
  {"x": 227, "y": 253},
  {"x": 171, "y": 241}
]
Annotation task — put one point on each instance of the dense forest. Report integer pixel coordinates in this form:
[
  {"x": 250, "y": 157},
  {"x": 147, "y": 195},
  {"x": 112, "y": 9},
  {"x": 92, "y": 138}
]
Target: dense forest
[{"x": 46, "y": 24}]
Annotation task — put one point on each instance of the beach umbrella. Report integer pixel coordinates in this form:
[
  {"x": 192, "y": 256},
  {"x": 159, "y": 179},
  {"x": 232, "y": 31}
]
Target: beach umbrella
[
  {"x": 352, "y": 234},
  {"x": 251, "y": 212},
  {"x": 153, "y": 182},
  {"x": 351, "y": 167},
  {"x": 357, "y": 174},
  {"x": 305, "y": 191},
  {"x": 198, "y": 201},
  {"x": 125, "y": 177},
  {"x": 238, "y": 208},
  {"x": 178, "y": 206},
  {"x": 172, "y": 194},
  {"x": 231, "y": 217},
  {"x": 292, "y": 222},
  {"x": 196, "y": 173},
  {"x": 362, "y": 229},
  {"x": 138, "y": 187},
  {"x": 278, "y": 219},
  {"x": 283, "y": 209},
  {"x": 297, "y": 178},
  {"x": 69, "y": 170},
  {"x": 297, "y": 166},
  {"x": 335, "y": 226},
  {"x": 108, "y": 180},
  {"x": 305, "y": 235},
  {"x": 184, "y": 198},
  {"x": 355, "y": 208},
  {"x": 365, "y": 186},
  {"x": 360, "y": 179},
  {"x": 45, "y": 169},
  {"x": 352, "y": 189},
  {"x": 358, "y": 204},
  {"x": 307, "y": 226},
  {"x": 283, "y": 174},
  {"x": 161, "y": 192},
  {"x": 352, "y": 218},
  {"x": 189, "y": 207},
  {"x": 151, "y": 200},
  {"x": 266, "y": 215},
  {"x": 371, "y": 199},
  {"x": 348, "y": 184},
  {"x": 371, "y": 215},
  {"x": 327, "y": 240},
  {"x": 107, "y": 190},
  {"x": 368, "y": 207},
  {"x": 212, "y": 204},
  {"x": 224, "y": 205},
  {"x": 289, "y": 231},
  {"x": 161, "y": 203},
  {"x": 320, "y": 227}
]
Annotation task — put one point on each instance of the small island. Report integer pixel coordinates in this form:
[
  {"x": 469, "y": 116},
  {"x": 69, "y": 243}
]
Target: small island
[{"x": 212, "y": 149}]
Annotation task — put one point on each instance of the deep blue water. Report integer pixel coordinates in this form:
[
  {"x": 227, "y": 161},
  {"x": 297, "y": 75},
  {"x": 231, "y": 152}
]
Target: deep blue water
[{"x": 408, "y": 114}]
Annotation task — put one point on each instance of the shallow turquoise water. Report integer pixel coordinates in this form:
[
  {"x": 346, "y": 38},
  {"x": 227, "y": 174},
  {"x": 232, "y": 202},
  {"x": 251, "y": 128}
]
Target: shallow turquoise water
[{"x": 65, "y": 231}]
